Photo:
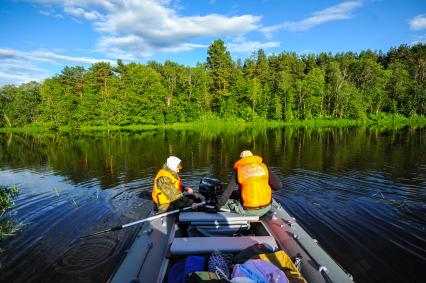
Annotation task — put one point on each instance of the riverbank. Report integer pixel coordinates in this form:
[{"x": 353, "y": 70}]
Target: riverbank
[{"x": 380, "y": 121}]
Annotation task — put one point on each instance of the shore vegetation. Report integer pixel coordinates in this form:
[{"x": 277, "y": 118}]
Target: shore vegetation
[{"x": 324, "y": 89}]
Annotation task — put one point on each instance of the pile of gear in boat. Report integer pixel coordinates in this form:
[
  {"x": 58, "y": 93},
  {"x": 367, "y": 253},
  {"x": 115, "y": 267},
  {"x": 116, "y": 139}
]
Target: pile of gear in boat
[{"x": 257, "y": 263}]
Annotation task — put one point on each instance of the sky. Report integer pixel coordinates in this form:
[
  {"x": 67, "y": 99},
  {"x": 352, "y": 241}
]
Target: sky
[{"x": 38, "y": 38}]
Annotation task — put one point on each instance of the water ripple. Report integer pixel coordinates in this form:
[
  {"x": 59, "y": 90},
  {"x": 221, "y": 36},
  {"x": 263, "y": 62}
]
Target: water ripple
[{"x": 359, "y": 208}]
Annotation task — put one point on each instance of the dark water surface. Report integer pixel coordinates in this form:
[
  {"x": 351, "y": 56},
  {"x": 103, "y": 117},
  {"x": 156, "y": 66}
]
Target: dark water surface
[{"x": 360, "y": 192}]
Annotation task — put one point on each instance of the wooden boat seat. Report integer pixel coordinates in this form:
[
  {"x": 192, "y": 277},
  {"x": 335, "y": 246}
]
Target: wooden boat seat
[
  {"x": 207, "y": 245},
  {"x": 203, "y": 218}
]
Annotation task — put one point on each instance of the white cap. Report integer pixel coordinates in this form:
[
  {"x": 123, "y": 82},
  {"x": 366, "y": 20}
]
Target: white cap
[
  {"x": 246, "y": 153},
  {"x": 173, "y": 163}
]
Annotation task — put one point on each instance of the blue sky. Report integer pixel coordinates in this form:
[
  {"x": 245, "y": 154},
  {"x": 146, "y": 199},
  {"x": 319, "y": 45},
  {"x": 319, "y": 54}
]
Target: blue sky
[{"x": 39, "y": 37}]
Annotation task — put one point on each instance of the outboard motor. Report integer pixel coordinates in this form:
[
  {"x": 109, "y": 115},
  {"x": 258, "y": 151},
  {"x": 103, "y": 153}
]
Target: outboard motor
[{"x": 210, "y": 188}]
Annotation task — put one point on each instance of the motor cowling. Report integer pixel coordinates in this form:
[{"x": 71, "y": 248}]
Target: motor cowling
[{"x": 210, "y": 188}]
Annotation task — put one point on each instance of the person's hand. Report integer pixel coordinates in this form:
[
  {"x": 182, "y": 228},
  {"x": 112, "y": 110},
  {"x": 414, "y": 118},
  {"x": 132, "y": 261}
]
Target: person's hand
[
  {"x": 197, "y": 197},
  {"x": 194, "y": 206},
  {"x": 189, "y": 191}
]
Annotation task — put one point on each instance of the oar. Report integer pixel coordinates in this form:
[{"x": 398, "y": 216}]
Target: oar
[{"x": 116, "y": 228}]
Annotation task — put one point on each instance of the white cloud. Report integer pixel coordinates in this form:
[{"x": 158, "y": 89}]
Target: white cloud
[
  {"x": 19, "y": 66},
  {"x": 341, "y": 11},
  {"x": 18, "y": 72},
  {"x": 243, "y": 46},
  {"x": 51, "y": 57},
  {"x": 183, "y": 47},
  {"x": 118, "y": 53},
  {"x": 268, "y": 31},
  {"x": 146, "y": 27},
  {"x": 46, "y": 56},
  {"x": 80, "y": 12},
  {"x": 151, "y": 27},
  {"x": 105, "y": 4},
  {"x": 418, "y": 22},
  {"x": 6, "y": 54},
  {"x": 51, "y": 13}
]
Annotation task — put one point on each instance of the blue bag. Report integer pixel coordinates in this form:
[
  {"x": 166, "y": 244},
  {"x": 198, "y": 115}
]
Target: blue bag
[
  {"x": 193, "y": 264},
  {"x": 176, "y": 272}
]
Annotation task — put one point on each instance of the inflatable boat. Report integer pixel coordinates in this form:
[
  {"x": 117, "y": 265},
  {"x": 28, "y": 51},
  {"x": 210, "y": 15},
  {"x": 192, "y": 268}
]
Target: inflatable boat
[{"x": 175, "y": 236}]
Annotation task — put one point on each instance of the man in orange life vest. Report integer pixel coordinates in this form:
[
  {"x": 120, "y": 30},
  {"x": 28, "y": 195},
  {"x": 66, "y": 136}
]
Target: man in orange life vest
[
  {"x": 254, "y": 181},
  {"x": 168, "y": 193}
]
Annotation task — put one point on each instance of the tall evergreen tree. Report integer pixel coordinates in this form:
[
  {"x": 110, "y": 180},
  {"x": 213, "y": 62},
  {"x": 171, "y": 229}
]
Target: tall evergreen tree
[{"x": 219, "y": 65}]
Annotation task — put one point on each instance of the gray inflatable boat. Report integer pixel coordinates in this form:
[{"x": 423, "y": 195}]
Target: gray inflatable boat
[{"x": 162, "y": 240}]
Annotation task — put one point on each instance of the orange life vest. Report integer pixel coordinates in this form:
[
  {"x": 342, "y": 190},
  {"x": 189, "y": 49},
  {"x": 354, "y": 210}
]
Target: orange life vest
[
  {"x": 157, "y": 196},
  {"x": 253, "y": 177}
]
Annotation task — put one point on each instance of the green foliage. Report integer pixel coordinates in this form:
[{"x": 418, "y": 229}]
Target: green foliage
[
  {"x": 7, "y": 195},
  {"x": 55, "y": 107},
  {"x": 18, "y": 104},
  {"x": 286, "y": 87}
]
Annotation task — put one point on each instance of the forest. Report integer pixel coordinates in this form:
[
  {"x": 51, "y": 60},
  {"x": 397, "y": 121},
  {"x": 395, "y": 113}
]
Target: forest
[{"x": 279, "y": 87}]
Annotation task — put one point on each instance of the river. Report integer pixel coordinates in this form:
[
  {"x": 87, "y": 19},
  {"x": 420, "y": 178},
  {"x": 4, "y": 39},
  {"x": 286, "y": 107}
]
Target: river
[{"x": 360, "y": 192}]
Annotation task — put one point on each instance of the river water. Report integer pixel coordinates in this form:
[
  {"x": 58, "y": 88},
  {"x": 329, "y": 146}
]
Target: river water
[{"x": 360, "y": 192}]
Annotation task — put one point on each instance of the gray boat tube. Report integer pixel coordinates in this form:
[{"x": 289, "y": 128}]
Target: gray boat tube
[{"x": 325, "y": 265}]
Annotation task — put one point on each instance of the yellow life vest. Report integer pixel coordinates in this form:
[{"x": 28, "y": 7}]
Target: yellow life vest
[
  {"x": 253, "y": 177},
  {"x": 157, "y": 196}
]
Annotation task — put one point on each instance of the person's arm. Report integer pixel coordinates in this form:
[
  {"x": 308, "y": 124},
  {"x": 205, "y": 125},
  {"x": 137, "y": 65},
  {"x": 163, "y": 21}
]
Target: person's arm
[
  {"x": 274, "y": 181},
  {"x": 228, "y": 191},
  {"x": 183, "y": 202}
]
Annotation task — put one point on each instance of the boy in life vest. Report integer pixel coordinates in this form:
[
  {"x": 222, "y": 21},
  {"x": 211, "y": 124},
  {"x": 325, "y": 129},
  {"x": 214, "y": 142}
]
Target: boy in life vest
[
  {"x": 254, "y": 181},
  {"x": 168, "y": 193}
]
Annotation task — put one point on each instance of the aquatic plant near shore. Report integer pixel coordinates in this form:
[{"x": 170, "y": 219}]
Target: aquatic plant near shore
[{"x": 7, "y": 195}]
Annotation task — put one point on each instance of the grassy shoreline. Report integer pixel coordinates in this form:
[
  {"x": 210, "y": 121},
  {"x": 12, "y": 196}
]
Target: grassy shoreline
[{"x": 381, "y": 121}]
